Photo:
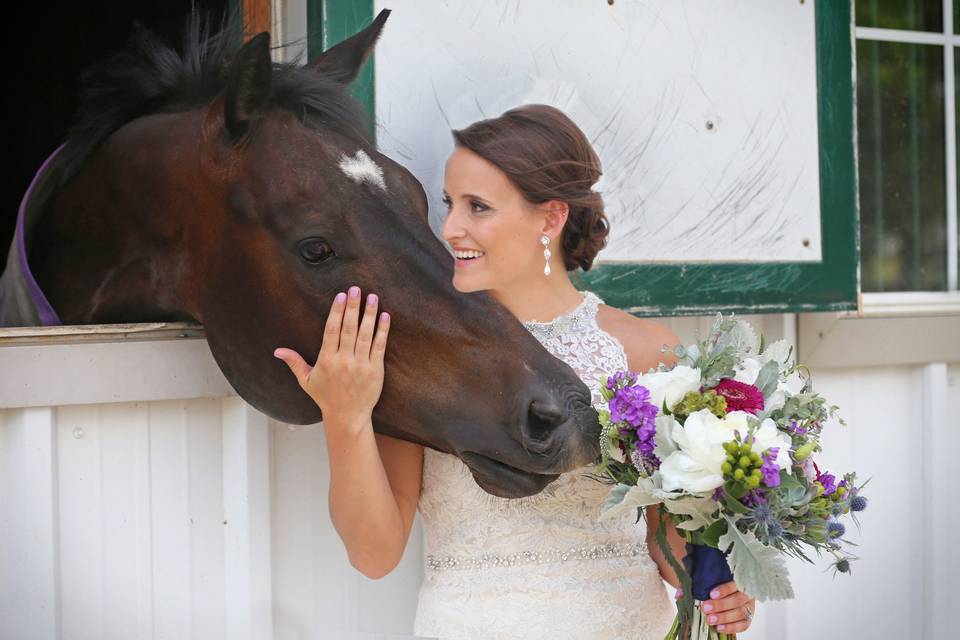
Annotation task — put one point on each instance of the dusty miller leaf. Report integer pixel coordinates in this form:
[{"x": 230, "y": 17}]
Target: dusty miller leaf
[{"x": 759, "y": 571}]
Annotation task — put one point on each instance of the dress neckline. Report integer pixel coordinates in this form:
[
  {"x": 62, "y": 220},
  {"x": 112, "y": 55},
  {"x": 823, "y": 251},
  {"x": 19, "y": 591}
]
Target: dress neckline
[{"x": 585, "y": 310}]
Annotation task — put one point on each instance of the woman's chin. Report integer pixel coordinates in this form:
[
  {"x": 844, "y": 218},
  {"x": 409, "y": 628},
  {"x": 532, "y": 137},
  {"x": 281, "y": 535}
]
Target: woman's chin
[{"x": 467, "y": 284}]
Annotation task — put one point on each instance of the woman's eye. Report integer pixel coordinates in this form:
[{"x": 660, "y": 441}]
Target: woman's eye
[
  {"x": 315, "y": 250},
  {"x": 446, "y": 202},
  {"x": 478, "y": 207}
]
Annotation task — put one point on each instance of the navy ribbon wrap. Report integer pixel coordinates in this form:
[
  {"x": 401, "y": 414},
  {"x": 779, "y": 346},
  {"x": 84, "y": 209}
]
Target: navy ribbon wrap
[{"x": 707, "y": 567}]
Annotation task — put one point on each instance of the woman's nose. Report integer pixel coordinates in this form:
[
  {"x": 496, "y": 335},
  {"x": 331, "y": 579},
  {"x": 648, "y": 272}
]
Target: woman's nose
[{"x": 451, "y": 227}]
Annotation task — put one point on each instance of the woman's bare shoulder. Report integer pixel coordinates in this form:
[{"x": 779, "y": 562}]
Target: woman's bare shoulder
[{"x": 641, "y": 338}]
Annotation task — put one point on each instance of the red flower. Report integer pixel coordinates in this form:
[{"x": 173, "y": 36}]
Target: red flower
[{"x": 740, "y": 396}]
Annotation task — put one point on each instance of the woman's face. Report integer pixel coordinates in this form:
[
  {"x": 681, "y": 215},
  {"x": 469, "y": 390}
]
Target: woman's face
[{"x": 493, "y": 230}]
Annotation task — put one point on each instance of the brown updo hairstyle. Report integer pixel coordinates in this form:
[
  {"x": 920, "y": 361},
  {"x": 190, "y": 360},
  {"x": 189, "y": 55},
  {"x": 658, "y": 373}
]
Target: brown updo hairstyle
[{"x": 547, "y": 157}]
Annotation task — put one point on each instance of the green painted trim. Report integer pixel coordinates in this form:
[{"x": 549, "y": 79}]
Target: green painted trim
[
  {"x": 235, "y": 8},
  {"x": 330, "y": 22},
  {"x": 774, "y": 287}
]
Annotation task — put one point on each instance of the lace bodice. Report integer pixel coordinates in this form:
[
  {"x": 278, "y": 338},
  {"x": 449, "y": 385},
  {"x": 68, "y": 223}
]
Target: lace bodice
[{"x": 541, "y": 566}]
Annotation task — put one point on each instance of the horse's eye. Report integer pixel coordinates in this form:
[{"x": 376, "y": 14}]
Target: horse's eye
[{"x": 315, "y": 250}]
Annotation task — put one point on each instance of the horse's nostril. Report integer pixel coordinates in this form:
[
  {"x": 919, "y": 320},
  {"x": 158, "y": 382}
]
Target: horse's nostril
[{"x": 543, "y": 417}]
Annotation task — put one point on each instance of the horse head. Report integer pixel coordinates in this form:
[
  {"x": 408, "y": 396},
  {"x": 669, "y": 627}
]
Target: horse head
[{"x": 218, "y": 186}]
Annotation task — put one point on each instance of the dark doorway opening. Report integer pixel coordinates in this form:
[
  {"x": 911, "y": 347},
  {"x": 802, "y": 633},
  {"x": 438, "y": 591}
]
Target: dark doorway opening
[{"x": 54, "y": 43}]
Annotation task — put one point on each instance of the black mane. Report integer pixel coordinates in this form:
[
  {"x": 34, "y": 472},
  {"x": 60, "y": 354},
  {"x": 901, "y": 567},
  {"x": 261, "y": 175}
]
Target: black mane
[{"x": 150, "y": 76}]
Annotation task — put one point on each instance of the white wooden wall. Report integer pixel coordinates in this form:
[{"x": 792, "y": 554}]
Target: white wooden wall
[{"x": 140, "y": 498}]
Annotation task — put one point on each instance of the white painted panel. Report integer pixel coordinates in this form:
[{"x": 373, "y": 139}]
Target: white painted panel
[
  {"x": 169, "y": 494},
  {"x": 246, "y": 506},
  {"x": 125, "y": 545},
  {"x": 704, "y": 115},
  {"x": 28, "y": 525},
  {"x": 882, "y": 442},
  {"x": 206, "y": 515},
  {"x": 62, "y": 374},
  {"x": 80, "y": 484},
  {"x": 326, "y": 596}
]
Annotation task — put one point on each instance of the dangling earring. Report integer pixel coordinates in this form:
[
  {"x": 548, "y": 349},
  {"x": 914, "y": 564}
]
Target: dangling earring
[{"x": 545, "y": 241}]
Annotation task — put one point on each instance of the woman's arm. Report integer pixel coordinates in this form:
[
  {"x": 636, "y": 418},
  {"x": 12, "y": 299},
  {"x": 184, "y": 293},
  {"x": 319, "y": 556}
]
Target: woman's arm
[
  {"x": 678, "y": 546},
  {"x": 374, "y": 479},
  {"x": 374, "y": 489},
  {"x": 642, "y": 340}
]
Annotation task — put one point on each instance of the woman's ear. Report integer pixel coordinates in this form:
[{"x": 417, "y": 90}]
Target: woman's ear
[{"x": 555, "y": 216}]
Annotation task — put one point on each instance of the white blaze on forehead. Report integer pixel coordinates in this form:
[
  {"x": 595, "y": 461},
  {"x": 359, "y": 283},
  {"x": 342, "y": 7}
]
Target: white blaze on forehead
[{"x": 360, "y": 168}]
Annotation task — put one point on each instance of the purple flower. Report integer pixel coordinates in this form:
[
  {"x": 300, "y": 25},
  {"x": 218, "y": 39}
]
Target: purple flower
[
  {"x": 858, "y": 503},
  {"x": 614, "y": 381},
  {"x": 632, "y": 405},
  {"x": 796, "y": 429},
  {"x": 754, "y": 498},
  {"x": 717, "y": 494},
  {"x": 770, "y": 469},
  {"x": 828, "y": 480},
  {"x": 835, "y": 529}
]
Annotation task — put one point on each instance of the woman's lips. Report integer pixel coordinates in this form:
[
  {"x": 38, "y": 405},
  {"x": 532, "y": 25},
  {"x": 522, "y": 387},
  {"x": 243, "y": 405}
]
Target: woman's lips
[{"x": 462, "y": 263}]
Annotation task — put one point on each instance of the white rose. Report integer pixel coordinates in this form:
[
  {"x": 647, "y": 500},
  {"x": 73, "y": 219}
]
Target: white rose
[
  {"x": 670, "y": 385},
  {"x": 695, "y": 466}
]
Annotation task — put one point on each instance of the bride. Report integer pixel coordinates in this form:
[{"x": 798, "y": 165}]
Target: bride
[{"x": 521, "y": 214}]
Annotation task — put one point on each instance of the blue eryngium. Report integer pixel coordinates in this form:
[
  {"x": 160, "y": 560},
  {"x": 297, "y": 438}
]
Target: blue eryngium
[{"x": 707, "y": 567}]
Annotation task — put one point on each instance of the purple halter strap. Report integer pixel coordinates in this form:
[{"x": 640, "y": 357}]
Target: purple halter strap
[{"x": 47, "y": 315}]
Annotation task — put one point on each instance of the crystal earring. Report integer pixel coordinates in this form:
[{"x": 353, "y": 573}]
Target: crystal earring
[{"x": 545, "y": 241}]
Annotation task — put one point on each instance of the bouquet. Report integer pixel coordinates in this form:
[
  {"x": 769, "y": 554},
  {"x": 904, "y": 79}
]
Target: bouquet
[{"x": 724, "y": 442}]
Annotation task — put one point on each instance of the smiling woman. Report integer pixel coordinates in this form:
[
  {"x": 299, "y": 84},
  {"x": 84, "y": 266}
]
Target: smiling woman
[{"x": 504, "y": 171}]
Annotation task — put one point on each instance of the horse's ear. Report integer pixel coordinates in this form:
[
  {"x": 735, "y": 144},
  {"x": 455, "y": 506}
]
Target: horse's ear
[
  {"x": 248, "y": 85},
  {"x": 342, "y": 62}
]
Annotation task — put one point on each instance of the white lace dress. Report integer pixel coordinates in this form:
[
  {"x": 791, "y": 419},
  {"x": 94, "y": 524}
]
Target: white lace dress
[{"x": 541, "y": 566}]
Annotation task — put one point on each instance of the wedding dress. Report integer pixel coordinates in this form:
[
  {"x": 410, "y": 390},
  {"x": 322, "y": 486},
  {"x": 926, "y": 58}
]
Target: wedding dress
[{"x": 540, "y": 566}]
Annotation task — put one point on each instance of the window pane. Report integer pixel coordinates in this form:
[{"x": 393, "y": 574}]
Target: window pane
[
  {"x": 911, "y": 15},
  {"x": 902, "y": 186}
]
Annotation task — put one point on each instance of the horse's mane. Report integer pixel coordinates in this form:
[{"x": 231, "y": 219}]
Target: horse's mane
[{"x": 150, "y": 76}]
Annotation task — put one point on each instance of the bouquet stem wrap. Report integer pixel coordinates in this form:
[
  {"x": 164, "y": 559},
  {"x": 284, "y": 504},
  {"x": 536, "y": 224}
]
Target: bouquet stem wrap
[{"x": 703, "y": 569}]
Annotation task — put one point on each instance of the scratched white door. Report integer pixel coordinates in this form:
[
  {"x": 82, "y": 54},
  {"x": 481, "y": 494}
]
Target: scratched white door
[{"x": 704, "y": 114}]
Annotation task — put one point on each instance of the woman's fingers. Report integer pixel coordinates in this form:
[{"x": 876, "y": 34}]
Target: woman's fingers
[
  {"x": 331, "y": 331},
  {"x": 727, "y": 610},
  {"x": 365, "y": 334},
  {"x": 348, "y": 332},
  {"x": 297, "y": 365},
  {"x": 380, "y": 340}
]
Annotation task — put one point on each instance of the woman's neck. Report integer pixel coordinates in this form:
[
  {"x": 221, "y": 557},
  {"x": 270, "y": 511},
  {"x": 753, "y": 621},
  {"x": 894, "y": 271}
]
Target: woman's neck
[{"x": 541, "y": 300}]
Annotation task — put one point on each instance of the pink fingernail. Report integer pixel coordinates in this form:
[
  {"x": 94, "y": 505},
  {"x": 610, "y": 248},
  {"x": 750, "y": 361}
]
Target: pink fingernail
[
  {"x": 341, "y": 297},
  {"x": 713, "y": 619},
  {"x": 715, "y": 593},
  {"x": 708, "y": 607},
  {"x": 721, "y": 627},
  {"x": 371, "y": 298},
  {"x": 384, "y": 317},
  {"x": 354, "y": 292}
]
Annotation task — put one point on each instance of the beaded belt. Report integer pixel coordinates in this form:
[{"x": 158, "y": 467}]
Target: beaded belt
[{"x": 539, "y": 556}]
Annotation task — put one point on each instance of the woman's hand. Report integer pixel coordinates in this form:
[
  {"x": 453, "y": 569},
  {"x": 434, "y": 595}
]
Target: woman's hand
[
  {"x": 729, "y": 609},
  {"x": 347, "y": 379}
]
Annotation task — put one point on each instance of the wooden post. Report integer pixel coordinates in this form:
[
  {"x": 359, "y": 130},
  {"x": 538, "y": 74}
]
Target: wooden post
[{"x": 256, "y": 17}]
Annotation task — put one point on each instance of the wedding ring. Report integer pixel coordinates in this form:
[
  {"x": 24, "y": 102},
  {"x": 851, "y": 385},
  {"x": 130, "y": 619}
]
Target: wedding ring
[{"x": 749, "y": 613}]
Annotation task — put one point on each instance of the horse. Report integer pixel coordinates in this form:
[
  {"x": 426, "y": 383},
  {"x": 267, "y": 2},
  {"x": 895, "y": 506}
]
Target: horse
[{"x": 210, "y": 184}]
